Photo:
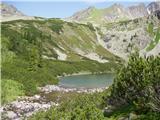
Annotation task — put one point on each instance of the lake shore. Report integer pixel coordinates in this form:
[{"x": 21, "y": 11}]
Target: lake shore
[
  {"x": 53, "y": 88},
  {"x": 25, "y": 106}
]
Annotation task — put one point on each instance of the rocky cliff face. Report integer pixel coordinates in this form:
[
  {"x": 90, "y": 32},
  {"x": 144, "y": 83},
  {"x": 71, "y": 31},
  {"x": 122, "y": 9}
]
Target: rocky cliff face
[
  {"x": 143, "y": 34},
  {"x": 115, "y": 12},
  {"x": 152, "y": 7},
  {"x": 137, "y": 11}
]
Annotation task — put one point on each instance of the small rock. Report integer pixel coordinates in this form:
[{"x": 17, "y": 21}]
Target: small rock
[
  {"x": 1, "y": 109},
  {"x": 107, "y": 111},
  {"x": 37, "y": 97}
]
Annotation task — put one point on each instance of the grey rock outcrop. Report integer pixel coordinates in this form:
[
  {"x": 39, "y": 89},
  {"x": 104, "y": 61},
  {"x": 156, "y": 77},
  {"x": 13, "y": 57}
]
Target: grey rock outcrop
[
  {"x": 137, "y": 11},
  {"x": 9, "y": 10},
  {"x": 153, "y": 6},
  {"x": 122, "y": 43},
  {"x": 9, "y": 13}
]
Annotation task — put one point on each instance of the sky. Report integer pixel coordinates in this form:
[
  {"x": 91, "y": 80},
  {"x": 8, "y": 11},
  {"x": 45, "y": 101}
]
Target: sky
[{"x": 63, "y": 8}]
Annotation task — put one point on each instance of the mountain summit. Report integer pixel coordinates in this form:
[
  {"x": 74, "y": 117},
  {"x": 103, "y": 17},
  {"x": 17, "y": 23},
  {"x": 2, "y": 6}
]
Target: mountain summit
[{"x": 9, "y": 12}]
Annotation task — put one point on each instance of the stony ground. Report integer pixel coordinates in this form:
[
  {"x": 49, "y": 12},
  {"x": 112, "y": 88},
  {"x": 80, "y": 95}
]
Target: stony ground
[{"x": 50, "y": 95}]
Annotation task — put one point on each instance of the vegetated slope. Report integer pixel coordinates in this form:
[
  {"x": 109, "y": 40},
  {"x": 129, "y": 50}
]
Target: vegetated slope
[
  {"x": 35, "y": 52},
  {"x": 124, "y": 37},
  {"x": 58, "y": 39},
  {"x": 80, "y": 107}
]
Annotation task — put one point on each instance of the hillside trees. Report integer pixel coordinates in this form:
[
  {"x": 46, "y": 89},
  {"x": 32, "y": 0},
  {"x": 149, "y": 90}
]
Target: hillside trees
[
  {"x": 138, "y": 83},
  {"x": 35, "y": 48}
]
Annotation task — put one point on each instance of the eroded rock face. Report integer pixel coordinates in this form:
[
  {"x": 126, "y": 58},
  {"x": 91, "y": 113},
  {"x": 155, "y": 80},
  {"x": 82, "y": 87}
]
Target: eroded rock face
[
  {"x": 122, "y": 43},
  {"x": 115, "y": 12},
  {"x": 152, "y": 7},
  {"x": 137, "y": 11},
  {"x": 157, "y": 13},
  {"x": 123, "y": 38}
]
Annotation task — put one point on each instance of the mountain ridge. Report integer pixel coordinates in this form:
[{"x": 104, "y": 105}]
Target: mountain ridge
[{"x": 114, "y": 13}]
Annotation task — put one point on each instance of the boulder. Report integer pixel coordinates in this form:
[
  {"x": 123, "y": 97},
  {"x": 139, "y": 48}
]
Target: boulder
[{"x": 11, "y": 115}]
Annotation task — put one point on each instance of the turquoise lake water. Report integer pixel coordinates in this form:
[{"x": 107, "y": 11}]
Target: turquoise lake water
[{"x": 87, "y": 81}]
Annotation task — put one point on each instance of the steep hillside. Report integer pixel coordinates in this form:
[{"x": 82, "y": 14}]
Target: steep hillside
[{"x": 60, "y": 40}]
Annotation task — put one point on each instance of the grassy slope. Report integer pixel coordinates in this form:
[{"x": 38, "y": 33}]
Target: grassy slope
[
  {"x": 11, "y": 89},
  {"x": 25, "y": 42}
]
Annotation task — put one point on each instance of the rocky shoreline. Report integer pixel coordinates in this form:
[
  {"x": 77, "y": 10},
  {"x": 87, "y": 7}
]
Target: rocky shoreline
[
  {"x": 52, "y": 88},
  {"x": 26, "y": 106}
]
